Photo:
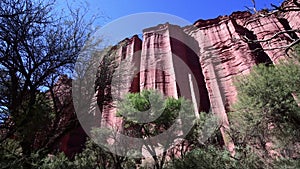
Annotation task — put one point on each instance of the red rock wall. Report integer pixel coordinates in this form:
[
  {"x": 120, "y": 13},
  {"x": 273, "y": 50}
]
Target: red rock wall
[
  {"x": 167, "y": 60},
  {"x": 126, "y": 77},
  {"x": 216, "y": 51},
  {"x": 222, "y": 56},
  {"x": 292, "y": 16},
  {"x": 157, "y": 68},
  {"x": 265, "y": 28},
  {"x": 69, "y": 135}
]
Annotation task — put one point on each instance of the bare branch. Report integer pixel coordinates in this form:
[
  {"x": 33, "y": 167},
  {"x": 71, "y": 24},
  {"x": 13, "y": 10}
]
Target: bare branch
[
  {"x": 273, "y": 37},
  {"x": 286, "y": 47}
]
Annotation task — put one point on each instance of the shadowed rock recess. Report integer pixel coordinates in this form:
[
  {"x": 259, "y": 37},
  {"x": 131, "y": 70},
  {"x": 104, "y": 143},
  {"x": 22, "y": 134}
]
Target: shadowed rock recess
[{"x": 215, "y": 50}]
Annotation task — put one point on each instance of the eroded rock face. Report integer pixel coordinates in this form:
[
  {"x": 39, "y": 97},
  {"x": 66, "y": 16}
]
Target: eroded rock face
[
  {"x": 126, "y": 77},
  {"x": 265, "y": 28},
  {"x": 291, "y": 16},
  {"x": 168, "y": 57},
  {"x": 223, "y": 56},
  {"x": 214, "y": 51}
]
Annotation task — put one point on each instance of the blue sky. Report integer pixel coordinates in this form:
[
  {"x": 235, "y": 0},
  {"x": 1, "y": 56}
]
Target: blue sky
[
  {"x": 190, "y": 10},
  {"x": 121, "y": 18}
]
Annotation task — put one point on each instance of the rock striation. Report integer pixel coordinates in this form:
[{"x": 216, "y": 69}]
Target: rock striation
[
  {"x": 201, "y": 61},
  {"x": 215, "y": 51}
]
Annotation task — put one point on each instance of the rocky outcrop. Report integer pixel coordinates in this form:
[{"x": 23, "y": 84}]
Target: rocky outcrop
[
  {"x": 214, "y": 52},
  {"x": 168, "y": 57},
  {"x": 126, "y": 77},
  {"x": 200, "y": 61}
]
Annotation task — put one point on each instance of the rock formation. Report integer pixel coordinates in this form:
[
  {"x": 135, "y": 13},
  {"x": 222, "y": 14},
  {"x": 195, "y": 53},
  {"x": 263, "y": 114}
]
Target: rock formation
[{"x": 214, "y": 52}]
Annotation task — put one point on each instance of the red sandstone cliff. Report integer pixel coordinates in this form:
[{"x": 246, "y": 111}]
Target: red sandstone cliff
[{"x": 213, "y": 51}]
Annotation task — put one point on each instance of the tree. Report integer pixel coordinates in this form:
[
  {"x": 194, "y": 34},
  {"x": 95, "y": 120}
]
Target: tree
[
  {"x": 211, "y": 157},
  {"x": 148, "y": 114},
  {"x": 36, "y": 47},
  {"x": 267, "y": 112}
]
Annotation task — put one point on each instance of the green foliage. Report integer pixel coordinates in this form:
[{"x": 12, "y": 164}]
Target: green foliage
[
  {"x": 96, "y": 157},
  {"x": 148, "y": 114},
  {"x": 10, "y": 154},
  {"x": 211, "y": 157},
  {"x": 287, "y": 163},
  {"x": 160, "y": 112},
  {"x": 92, "y": 157},
  {"x": 266, "y": 101},
  {"x": 205, "y": 130},
  {"x": 41, "y": 114},
  {"x": 207, "y": 158},
  {"x": 59, "y": 161},
  {"x": 295, "y": 54}
]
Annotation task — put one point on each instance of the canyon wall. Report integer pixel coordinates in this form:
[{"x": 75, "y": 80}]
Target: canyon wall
[
  {"x": 201, "y": 61},
  {"x": 214, "y": 51}
]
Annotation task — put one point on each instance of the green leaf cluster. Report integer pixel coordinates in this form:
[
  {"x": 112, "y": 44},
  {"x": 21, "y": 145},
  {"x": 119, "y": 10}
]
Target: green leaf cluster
[{"x": 268, "y": 108}]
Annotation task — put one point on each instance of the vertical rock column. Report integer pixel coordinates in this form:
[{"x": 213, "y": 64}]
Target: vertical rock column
[
  {"x": 135, "y": 50},
  {"x": 169, "y": 57},
  {"x": 222, "y": 57},
  {"x": 157, "y": 69},
  {"x": 190, "y": 78},
  {"x": 125, "y": 78}
]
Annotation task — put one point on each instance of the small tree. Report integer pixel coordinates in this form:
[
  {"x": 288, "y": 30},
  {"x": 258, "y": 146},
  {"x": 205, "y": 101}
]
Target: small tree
[{"x": 148, "y": 114}]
